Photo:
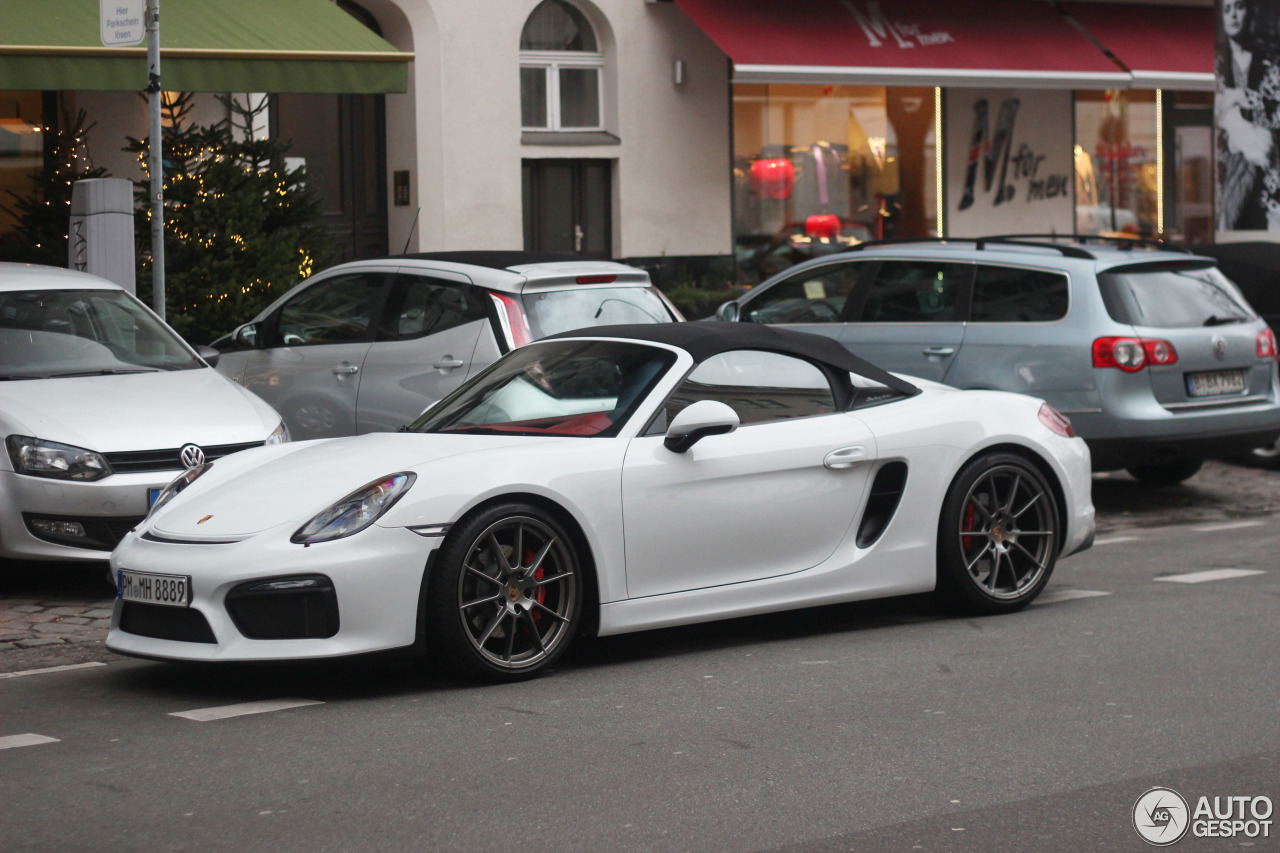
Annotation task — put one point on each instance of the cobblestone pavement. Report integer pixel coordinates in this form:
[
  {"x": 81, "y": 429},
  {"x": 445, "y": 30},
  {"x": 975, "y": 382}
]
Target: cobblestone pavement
[{"x": 53, "y": 614}]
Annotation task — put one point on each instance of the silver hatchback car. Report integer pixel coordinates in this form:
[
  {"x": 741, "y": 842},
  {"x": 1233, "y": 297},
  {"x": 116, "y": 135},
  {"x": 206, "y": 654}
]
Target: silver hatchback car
[
  {"x": 367, "y": 346},
  {"x": 1154, "y": 355}
]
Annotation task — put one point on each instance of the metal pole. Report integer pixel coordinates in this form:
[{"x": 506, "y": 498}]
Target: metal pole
[{"x": 155, "y": 157}]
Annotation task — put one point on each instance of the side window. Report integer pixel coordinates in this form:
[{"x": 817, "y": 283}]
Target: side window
[
  {"x": 335, "y": 311},
  {"x": 420, "y": 306},
  {"x": 916, "y": 292},
  {"x": 1010, "y": 295},
  {"x": 814, "y": 296},
  {"x": 759, "y": 386}
]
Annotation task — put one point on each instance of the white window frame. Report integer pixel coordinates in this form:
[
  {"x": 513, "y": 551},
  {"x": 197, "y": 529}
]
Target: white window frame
[{"x": 551, "y": 61}]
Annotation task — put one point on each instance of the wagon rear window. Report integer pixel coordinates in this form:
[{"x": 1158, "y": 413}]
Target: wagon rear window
[{"x": 1172, "y": 297}]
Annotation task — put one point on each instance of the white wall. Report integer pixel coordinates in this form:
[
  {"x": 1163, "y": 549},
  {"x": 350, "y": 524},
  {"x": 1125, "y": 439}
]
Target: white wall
[{"x": 671, "y": 181}]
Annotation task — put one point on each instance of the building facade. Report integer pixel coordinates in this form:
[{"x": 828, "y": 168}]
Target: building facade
[{"x": 757, "y": 130}]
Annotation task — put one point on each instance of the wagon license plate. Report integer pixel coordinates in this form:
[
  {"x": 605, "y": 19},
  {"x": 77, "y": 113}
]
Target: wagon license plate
[
  {"x": 152, "y": 494},
  {"x": 1215, "y": 382},
  {"x": 166, "y": 590}
]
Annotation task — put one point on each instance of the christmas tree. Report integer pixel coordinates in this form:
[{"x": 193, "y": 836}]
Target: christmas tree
[
  {"x": 240, "y": 227},
  {"x": 43, "y": 216}
]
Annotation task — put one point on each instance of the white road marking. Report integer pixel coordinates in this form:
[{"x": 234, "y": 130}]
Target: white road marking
[
  {"x": 1112, "y": 540},
  {"x": 1229, "y": 525},
  {"x": 13, "y": 741},
  {"x": 204, "y": 715},
  {"x": 1211, "y": 575},
  {"x": 66, "y": 668},
  {"x": 1067, "y": 595}
]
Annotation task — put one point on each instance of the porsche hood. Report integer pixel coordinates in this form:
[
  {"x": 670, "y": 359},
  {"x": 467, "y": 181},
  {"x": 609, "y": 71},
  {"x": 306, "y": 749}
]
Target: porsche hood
[{"x": 261, "y": 489}]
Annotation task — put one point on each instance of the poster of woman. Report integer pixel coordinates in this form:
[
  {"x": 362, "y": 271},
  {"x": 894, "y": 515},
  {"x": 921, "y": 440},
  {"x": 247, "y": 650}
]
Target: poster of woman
[{"x": 1247, "y": 113}]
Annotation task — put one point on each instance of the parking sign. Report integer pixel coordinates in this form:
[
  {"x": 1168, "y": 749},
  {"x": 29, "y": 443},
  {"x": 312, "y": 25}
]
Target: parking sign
[{"x": 122, "y": 22}]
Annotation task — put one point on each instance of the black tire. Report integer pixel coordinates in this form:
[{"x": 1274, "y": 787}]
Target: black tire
[
  {"x": 1167, "y": 473},
  {"x": 998, "y": 535},
  {"x": 509, "y": 612}
]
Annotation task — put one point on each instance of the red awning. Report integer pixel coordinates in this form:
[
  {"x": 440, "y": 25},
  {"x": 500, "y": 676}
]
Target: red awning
[
  {"x": 998, "y": 43},
  {"x": 1164, "y": 47}
]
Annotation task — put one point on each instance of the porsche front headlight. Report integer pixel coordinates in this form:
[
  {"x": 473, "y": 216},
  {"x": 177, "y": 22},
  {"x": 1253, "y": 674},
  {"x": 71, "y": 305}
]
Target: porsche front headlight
[
  {"x": 186, "y": 478},
  {"x": 356, "y": 511},
  {"x": 278, "y": 436},
  {"x": 39, "y": 458}
]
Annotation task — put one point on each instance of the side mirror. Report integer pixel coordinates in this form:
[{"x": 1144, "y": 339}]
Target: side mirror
[
  {"x": 728, "y": 312},
  {"x": 209, "y": 354},
  {"x": 246, "y": 336},
  {"x": 697, "y": 421}
]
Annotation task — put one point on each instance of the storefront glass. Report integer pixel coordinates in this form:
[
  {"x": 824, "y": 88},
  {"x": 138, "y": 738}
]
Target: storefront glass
[
  {"x": 21, "y": 149},
  {"x": 1117, "y": 183},
  {"x": 819, "y": 168}
]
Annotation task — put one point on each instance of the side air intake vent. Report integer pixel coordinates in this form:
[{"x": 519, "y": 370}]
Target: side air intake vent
[{"x": 886, "y": 491}]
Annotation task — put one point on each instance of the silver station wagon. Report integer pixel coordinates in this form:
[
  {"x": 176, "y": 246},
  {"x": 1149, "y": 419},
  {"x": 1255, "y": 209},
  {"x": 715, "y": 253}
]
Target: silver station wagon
[{"x": 1153, "y": 353}]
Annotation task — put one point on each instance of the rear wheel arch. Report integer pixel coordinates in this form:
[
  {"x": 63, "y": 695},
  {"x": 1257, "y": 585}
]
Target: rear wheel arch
[
  {"x": 1041, "y": 465},
  {"x": 996, "y": 551}
]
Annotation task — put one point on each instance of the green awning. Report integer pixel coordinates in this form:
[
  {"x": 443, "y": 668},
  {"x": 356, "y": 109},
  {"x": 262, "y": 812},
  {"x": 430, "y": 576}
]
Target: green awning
[{"x": 206, "y": 46}]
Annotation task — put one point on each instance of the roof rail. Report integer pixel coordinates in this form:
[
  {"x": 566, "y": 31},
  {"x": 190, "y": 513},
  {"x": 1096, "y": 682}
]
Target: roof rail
[
  {"x": 979, "y": 243},
  {"x": 1127, "y": 243}
]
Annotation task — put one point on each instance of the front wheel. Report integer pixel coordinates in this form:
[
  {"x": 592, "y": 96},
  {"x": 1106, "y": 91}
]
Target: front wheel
[
  {"x": 998, "y": 535},
  {"x": 505, "y": 596}
]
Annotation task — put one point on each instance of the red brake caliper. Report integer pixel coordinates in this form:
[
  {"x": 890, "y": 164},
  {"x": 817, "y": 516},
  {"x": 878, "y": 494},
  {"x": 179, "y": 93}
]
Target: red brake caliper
[{"x": 966, "y": 525}]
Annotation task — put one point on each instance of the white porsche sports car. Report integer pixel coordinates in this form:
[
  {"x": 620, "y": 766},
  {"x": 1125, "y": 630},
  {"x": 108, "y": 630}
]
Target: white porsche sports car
[{"x": 636, "y": 477}]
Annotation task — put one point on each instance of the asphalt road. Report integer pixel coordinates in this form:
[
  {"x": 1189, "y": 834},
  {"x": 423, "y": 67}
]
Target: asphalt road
[{"x": 879, "y": 726}]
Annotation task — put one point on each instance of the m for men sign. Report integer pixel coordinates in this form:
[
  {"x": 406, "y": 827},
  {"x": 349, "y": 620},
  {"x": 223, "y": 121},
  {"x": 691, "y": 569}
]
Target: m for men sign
[{"x": 1009, "y": 165}]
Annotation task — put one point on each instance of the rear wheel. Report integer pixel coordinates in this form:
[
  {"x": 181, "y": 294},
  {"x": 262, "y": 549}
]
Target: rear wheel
[
  {"x": 998, "y": 536},
  {"x": 1167, "y": 473},
  {"x": 505, "y": 597}
]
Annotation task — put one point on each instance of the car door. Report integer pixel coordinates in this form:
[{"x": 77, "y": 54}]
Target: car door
[
  {"x": 423, "y": 349},
  {"x": 315, "y": 348},
  {"x": 774, "y": 497},
  {"x": 1025, "y": 336},
  {"x": 813, "y": 299},
  {"x": 909, "y": 316}
]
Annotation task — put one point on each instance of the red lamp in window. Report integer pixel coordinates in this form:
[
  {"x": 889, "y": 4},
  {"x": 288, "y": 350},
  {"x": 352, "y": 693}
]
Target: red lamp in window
[
  {"x": 773, "y": 178},
  {"x": 822, "y": 226}
]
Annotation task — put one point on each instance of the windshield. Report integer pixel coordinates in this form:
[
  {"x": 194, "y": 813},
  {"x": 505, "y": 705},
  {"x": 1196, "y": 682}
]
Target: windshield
[
  {"x": 1173, "y": 297},
  {"x": 47, "y": 334},
  {"x": 554, "y": 311},
  {"x": 562, "y": 388}
]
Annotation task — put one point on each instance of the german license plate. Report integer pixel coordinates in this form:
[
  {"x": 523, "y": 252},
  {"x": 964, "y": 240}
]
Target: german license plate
[
  {"x": 152, "y": 494},
  {"x": 166, "y": 590},
  {"x": 1215, "y": 382}
]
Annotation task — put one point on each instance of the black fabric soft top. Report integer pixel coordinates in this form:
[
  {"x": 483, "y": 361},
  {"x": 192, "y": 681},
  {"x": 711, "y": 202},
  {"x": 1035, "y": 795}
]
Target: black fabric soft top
[{"x": 702, "y": 340}]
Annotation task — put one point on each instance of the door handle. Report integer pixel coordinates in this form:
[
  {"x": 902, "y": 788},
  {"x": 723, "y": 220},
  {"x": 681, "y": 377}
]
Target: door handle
[
  {"x": 345, "y": 369},
  {"x": 938, "y": 352},
  {"x": 845, "y": 457},
  {"x": 448, "y": 362}
]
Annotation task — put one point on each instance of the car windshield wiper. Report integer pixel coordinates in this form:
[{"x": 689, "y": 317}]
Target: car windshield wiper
[
  {"x": 1215, "y": 320},
  {"x": 106, "y": 371}
]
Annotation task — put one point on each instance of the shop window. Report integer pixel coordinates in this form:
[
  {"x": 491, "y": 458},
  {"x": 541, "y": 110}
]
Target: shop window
[
  {"x": 561, "y": 66},
  {"x": 1117, "y": 184},
  {"x": 820, "y": 168}
]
